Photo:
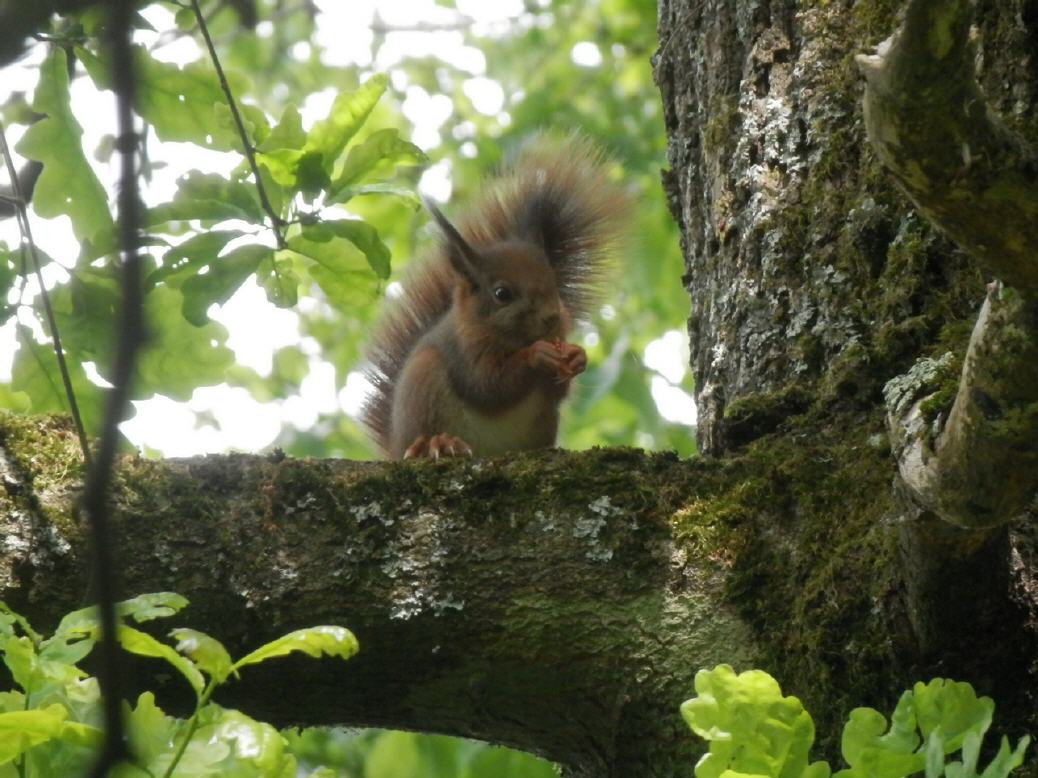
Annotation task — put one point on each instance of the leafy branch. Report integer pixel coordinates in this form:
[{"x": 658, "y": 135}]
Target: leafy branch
[
  {"x": 197, "y": 266},
  {"x": 52, "y": 717},
  {"x": 28, "y": 241},
  {"x": 250, "y": 152}
]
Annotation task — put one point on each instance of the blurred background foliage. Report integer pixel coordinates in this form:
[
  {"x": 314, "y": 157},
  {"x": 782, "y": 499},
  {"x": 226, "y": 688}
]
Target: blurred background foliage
[
  {"x": 377, "y": 753},
  {"x": 547, "y": 65},
  {"x": 532, "y": 59}
]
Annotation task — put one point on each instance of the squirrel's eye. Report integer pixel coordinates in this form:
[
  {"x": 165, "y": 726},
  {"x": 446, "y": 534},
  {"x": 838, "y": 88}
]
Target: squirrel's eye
[{"x": 503, "y": 294}]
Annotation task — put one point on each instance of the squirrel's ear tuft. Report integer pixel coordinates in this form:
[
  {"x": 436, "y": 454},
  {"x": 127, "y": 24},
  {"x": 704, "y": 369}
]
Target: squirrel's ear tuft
[{"x": 462, "y": 256}]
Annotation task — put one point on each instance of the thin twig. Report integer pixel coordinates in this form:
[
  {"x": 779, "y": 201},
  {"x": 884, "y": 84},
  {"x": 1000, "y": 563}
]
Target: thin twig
[
  {"x": 130, "y": 338},
  {"x": 172, "y": 36},
  {"x": 246, "y": 144},
  {"x": 59, "y": 352}
]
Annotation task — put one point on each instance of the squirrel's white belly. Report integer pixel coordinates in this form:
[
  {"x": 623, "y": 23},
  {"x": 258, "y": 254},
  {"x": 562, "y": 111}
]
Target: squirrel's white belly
[{"x": 522, "y": 426}]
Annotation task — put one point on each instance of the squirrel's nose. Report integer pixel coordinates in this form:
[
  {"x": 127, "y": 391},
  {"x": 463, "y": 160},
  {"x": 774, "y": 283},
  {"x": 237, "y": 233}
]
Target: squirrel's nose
[{"x": 550, "y": 321}]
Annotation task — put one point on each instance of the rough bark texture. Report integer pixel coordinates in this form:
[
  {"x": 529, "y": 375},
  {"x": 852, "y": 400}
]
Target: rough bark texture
[
  {"x": 975, "y": 466},
  {"x": 540, "y": 602},
  {"x": 559, "y": 603},
  {"x": 814, "y": 284}
]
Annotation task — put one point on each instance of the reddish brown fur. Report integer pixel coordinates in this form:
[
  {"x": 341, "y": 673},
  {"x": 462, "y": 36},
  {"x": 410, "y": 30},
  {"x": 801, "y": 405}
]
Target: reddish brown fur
[{"x": 557, "y": 195}]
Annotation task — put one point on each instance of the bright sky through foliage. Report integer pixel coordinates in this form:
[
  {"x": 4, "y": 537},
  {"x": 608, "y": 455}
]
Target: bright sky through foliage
[{"x": 223, "y": 417}]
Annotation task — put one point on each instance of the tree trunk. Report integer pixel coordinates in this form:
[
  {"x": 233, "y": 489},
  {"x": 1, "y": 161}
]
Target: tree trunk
[
  {"x": 824, "y": 303},
  {"x": 562, "y": 602}
]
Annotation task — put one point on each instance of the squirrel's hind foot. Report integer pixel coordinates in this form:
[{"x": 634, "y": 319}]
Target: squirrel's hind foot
[{"x": 436, "y": 446}]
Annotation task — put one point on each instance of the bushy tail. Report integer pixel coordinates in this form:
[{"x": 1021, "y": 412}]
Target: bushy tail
[{"x": 556, "y": 194}]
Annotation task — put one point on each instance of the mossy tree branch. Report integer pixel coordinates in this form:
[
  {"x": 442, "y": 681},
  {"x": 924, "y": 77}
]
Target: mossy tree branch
[
  {"x": 977, "y": 469},
  {"x": 975, "y": 180},
  {"x": 931, "y": 127},
  {"x": 978, "y": 182},
  {"x": 967, "y": 476},
  {"x": 540, "y": 603},
  {"x": 970, "y": 470}
]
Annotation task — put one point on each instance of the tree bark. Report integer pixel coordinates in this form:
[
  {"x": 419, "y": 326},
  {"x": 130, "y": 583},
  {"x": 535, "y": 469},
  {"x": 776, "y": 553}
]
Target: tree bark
[
  {"x": 815, "y": 285},
  {"x": 541, "y": 602}
]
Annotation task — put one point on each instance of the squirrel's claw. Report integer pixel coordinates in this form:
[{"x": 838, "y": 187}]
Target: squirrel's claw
[{"x": 442, "y": 445}]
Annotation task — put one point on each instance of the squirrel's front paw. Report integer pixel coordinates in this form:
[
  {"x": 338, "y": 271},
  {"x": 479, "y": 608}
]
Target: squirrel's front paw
[
  {"x": 575, "y": 358},
  {"x": 442, "y": 445},
  {"x": 565, "y": 360}
]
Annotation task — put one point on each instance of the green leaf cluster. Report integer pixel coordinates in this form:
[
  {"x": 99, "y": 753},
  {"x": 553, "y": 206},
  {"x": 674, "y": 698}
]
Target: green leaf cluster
[
  {"x": 50, "y": 724},
  {"x": 212, "y": 236},
  {"x": 755, "y": 732},
  {"x": 930, "y": 722},
  {"x": 68, "y": 185}
]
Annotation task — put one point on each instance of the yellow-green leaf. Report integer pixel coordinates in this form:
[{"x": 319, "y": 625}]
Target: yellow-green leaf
[
  {"x": 182, "y": 104},
  {"x": 315, "y": 641},
  {"x": 377, "y": 156},
  {"x": 149, "y": 730},
  {"x": 35, "y": 373},
  {"x": 348, "y": 114},
  {"x": 24, "y": 729},
  {"x": 205, "y": 651},
  {"x": 288, "y": 133},
  {"x": 225, "y": 275},
  {"x": 143, "y": 607},
  {"x": 180, "y": 356},
  {"x": 185, "y": 259},
  {"x": 341, "y": 249},
  {"x": 279, "y": 280},
  {"x": 143, "y": 644},
  {"x": 21, "y": 730},
  {"x": 209, "y": 198},
  {"x": 21, "y": 660}
]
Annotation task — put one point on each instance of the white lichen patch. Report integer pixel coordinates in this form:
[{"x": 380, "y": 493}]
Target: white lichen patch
[
  {"x": 590, "y": 528},
  {"x": 50, "y": 544},
  {"x": 302, "y": 504},
  {"x": 922, "y": 379},
  {"x": 13, "y": 543},
  {"x": 443, "y": 604},
  {"x": 414, "y": 561},
  {"x": 547, "y": 524},
  {"x": 599, "y": 553},
  {"x": 285, "y": 568},
  {"x": 372, "y": 510},
  {"x": 406, "y": 607},
  {"x": 603, "y": 506}
]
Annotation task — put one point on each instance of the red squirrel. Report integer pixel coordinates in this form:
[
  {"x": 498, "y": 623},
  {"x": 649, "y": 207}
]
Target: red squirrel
[{"x": 471, "y": 358}]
